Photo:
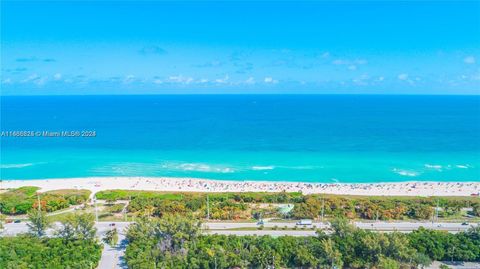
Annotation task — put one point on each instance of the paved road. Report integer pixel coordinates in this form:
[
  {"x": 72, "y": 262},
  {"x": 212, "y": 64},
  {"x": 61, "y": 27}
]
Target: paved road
[
  {"x": 113, "y": 257},
  {"x": 376, "y": 226},
  {"x": 102, "y": 227},
  {"x": 274, "y": 233}
]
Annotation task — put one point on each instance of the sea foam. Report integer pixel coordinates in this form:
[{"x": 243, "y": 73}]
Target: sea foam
[
  {"x": 20, "y": 165},
  {"x": 199, "y": 167},
  {"x": 270, "y": 167},
  {"x": 407, "y": 173}
]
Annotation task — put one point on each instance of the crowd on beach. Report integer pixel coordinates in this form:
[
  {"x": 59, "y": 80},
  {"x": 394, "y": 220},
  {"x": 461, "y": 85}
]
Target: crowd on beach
[{"x": 418, "y": 188}]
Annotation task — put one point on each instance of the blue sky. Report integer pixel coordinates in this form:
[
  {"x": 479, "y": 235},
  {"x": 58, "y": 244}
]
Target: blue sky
[{"x": 147, "y": 47}]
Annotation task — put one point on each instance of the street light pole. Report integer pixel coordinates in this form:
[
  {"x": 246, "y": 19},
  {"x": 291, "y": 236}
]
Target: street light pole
[
  {"x": 96, "y": 211},
  {"x": 38, "y": 201},
  {"x": 323, "y": 208},
  {"x": 208, "y": 208}
]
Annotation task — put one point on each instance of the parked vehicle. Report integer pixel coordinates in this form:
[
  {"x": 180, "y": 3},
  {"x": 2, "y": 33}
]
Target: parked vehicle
[{"x": 304, "y": 222}]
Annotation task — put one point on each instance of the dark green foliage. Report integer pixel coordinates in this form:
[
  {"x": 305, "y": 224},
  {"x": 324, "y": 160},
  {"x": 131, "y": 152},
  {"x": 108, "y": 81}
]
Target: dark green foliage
[
  {"x": 440, "y": 245},
  {"x": 32, "y": 252},
  {"x": 74, "y": 245}
]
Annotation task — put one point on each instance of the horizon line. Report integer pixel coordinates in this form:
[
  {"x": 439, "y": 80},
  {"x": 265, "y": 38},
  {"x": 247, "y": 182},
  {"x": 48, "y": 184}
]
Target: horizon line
[{"x": 236, "y": 94}]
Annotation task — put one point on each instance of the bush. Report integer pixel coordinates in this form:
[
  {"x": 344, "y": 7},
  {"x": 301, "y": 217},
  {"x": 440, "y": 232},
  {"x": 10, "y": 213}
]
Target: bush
[
  {"x": 32, "y": 252},
  {"x": 21, "y": 200}
]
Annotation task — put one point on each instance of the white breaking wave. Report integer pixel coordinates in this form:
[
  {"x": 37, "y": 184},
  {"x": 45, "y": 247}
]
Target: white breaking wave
[
  {"x": 199, "y": 167},
  {"x": 20, "y": 165},
  {"x": 436, "y": 167},
  {"x": 433, "y": 166},
  {"x": 463, "y": 166},
  {"x": 271, "y": 167},
  {"x": 407, "y": 173},
  {"x": 446, "y": 167}
]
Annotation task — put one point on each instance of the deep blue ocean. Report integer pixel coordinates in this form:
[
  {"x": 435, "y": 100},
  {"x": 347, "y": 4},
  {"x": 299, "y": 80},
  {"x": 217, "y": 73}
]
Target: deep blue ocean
[{"x": 315, "y": 138}]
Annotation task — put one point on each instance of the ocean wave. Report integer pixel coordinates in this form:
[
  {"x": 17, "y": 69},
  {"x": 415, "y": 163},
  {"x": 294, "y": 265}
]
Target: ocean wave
[
  {"x": 125, "y": 169},
  {"x": 463, "y": 166},
  {"x": 433, "y": 166},
  {"x": 270, "y": 167},
  {"x": 19, "y": 165},
  {"x": 199, "y": 167},
  {"x": 446, "y": 167},
  {"x": 436, "y": 167},
  {"x": 407, "y": 173}
]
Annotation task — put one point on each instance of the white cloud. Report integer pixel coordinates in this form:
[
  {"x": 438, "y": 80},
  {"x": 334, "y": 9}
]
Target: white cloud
[
  {"x": 129, "y": 79},
  {"x": 7, "y": 81},
  {"x": 326, "y": 54},
  {"x": 36, "y": 79},
  {"x": 181, "y": 79},
  {"x": 380, "y": 78},
  {"x": 152, "y": 50},
  {"x": 250, "y": 80},
  {"x": 352, "y": 67},
  {"x": 57, "y": 76},
  {"x": 360, "y": 61},
  {"x": 32, "y": 77},
  {"x": 339, "y": 62},
  {"x": 403, "y": 76},
  {"x": 362, "y": 80},
  {"x": 270, "y": 80},
  {"x": 222, "y": 80},
  {"x": 476, "y": 76},
  {"x": 469, "y": 60},
  {"x": 349, "y": 62},
  {"x": 158, "y": 81},
  {"x": 203, "y": 80}
]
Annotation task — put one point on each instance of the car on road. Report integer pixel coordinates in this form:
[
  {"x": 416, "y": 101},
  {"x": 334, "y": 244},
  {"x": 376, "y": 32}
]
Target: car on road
[
  {"x": 17, "y": 221},
  {"x": 260, "y": 222},
  {"x": 305, "y": 222},
  {"x": 111, "y": 224},
  {"x": 464, "y": 223}
]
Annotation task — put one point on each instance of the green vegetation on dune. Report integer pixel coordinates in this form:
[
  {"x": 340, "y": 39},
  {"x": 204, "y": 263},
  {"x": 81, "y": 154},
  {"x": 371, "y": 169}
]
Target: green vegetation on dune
[
  {"x": 175, "y": 242},
  {"x": 21, "y": 200},
  {"x": 231, "y": 206},
  {"x": 247, "y": 197}
]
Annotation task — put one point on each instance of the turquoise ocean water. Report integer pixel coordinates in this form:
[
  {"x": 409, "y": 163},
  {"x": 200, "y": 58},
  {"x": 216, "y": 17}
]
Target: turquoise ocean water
[{"x": 314, "y": 138}]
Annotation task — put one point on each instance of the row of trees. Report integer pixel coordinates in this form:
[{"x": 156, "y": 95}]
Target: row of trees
[
  {"x": 227, "y": 206},
  {"x": 72, "y": 245},
  {"x": 21, "y": 200},
  {"x": 176, "y": 242}
]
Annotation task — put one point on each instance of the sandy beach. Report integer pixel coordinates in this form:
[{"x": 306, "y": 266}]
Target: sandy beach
[{"x": 96, "y": 184}]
